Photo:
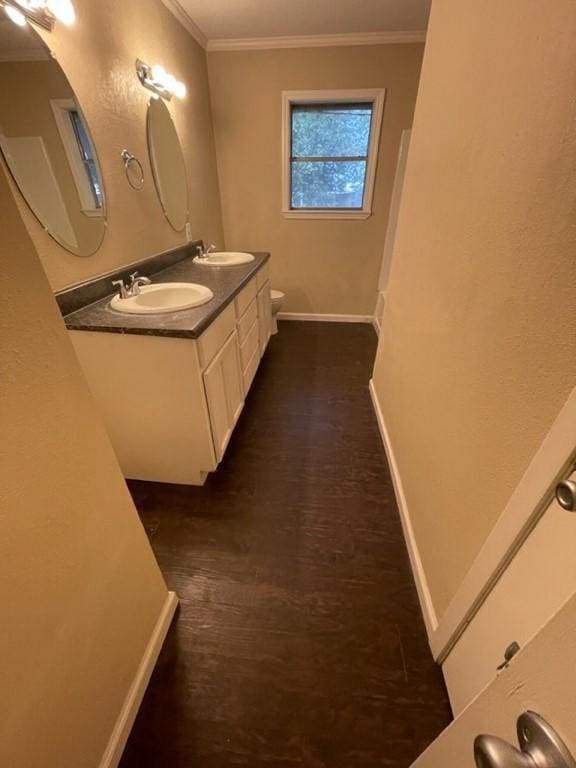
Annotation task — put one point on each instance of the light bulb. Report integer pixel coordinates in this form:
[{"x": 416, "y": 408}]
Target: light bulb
[
  {"x": 159, "y": 74},
  {"x": 63, "y": 10},
  {"x": 170, "y": 82},
  {"x": 180, "y": 90},
  {"x": 15, "y": 15}
]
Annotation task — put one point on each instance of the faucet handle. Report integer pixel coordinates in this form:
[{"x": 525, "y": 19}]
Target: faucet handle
[{"x": 122, "y": 290}]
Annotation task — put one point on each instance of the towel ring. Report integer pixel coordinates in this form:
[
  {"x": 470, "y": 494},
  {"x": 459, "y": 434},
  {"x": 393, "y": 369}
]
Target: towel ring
[{"x": 133, "y": 169}]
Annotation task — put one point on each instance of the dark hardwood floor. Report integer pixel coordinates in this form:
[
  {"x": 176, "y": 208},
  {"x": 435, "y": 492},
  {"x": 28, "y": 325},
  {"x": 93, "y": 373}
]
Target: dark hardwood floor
[{"x": 299, "y": 640}]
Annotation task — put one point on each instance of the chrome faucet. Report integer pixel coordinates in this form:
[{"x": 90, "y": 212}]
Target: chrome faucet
[
  {"x": 136, "y": 283},
  {"x": 203, "y": 251},
  {"x": 125, "y": 292}
]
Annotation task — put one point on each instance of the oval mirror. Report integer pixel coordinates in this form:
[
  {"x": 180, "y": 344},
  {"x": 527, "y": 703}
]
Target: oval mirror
[
  {"x": 167, "y": 163},
  {"x": 46, "y": 144}
]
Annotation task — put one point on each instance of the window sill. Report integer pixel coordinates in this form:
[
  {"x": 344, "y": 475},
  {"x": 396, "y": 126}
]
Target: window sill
[
  {"x": 326, "y": 214},
  {"x": 93, "y": 213}
]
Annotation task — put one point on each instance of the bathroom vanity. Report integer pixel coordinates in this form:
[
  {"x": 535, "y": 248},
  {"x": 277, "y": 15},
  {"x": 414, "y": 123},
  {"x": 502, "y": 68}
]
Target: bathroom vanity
[
  {"x": 171, "y": 386},
  {"x": 170, "y": 379}
]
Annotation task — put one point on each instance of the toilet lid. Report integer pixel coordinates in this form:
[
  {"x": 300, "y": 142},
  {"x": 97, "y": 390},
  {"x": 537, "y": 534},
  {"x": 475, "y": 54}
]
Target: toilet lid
[{"x": 275, "y": 295}]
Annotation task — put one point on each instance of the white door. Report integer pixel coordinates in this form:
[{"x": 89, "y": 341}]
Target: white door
[
  {"x": 535, "y": 584},
  {"x": 525, "y": 571},
  {"x": 30, "y": 163},
  {"x": 394, "y": 210},
  {"x": 541, "y": 678},
  {"x": 224, "y": 392},
  {"x": 392, "y": 226}
]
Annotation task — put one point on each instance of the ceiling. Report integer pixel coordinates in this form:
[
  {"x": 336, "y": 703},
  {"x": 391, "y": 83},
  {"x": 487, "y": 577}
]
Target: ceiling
[{"x": 246, "y": 19}]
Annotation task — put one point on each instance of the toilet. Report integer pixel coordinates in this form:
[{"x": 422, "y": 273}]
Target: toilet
[{"x": 276, "y": 299}]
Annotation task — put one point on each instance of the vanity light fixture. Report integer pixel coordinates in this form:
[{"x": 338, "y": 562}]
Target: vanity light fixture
[
  {"x": 15, "y": 15},
  {"x": 158, "y": 80},
  {"x": 62, "y": 9},
  {"x": 42, "y": 12}
]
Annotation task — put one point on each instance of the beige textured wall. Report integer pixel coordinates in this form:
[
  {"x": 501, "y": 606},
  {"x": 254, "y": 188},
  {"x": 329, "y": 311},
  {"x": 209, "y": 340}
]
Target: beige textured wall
[
  {"x": 79, "y": 588},
  {"x": 326, "y": 266},
  {"x": 98, "y": 56},
  {"x": 478, "y": 350}
]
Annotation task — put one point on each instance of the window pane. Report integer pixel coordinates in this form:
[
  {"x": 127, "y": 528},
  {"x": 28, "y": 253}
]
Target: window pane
[
  {"x": 331, "y": 130},
  {"x": 328, "y": 184},
  {"x": 95, "y": 183},
  {"x": 84, "y": 142},
  {"x": 87, "y": 154}
]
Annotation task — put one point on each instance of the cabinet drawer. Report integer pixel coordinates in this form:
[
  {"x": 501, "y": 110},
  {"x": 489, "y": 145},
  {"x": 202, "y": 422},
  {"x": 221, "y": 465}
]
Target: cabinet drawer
[
  {"x": 251, "y": 368},
  {"x": 245, "y": 296},
  {"x": 249, "y": 345},
  {"x": 263, "y": 275},
  {"x": 215, "y": 335},
  {"x": 247, "y": 320}
]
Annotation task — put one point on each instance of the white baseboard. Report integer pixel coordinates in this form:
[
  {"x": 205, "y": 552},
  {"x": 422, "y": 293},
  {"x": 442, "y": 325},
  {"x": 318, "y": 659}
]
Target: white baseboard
[
  {"x": 418, "y": 572},
  {"x": 125, "y": 721},
  {"x": 325, "y": 318}
]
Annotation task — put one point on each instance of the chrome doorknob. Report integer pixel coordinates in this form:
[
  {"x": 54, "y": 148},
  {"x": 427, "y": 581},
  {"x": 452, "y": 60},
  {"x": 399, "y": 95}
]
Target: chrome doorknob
[
  {"x": 566, "y": 494},
  {"x": 540, "y": 747},
  {"x": 492, "y": 752}
]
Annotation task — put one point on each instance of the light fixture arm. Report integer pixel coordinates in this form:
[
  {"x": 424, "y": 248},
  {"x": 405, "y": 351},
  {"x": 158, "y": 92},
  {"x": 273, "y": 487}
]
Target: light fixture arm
[
  {"x": 41, "y": 16},
  {"x": 42, "y": 12}
]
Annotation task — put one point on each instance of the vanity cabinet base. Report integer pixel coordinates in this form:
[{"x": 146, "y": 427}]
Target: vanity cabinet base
[
  {"x": 170, "y": 404},
  {"x": 150, "y": 393}
]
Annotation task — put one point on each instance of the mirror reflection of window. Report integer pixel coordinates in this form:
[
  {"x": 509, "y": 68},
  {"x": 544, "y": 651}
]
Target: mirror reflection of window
[
  {"x": 80, "y": 154},
  {"x": 87, "y": 155},
  {"x": 46, "y": 143}
]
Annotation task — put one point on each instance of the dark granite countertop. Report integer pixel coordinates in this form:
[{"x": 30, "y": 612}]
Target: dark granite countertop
[{"x": 224, "y": 282}]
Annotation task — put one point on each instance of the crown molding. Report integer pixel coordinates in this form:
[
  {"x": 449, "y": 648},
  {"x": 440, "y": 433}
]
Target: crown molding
[
  {"x": 294, "y": 41},
  {"x": 176, "y": 9},
  {"x": 316, "y": 41}
]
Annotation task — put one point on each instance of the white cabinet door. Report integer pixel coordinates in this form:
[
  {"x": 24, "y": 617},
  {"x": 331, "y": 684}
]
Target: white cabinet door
[
  {"x": 224, "y": 393},
  {"x": 264, "y": 316}
]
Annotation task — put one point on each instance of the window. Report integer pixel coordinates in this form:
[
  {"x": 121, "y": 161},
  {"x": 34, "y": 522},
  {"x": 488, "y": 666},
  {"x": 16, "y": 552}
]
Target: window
[
  {"x": 81, "y": 156},
  {"x": 330, "y": 148}
]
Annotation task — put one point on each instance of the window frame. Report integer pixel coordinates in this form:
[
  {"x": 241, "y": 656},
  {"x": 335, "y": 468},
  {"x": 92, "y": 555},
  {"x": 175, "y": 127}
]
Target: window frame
[
  {"x": 61, "y": 109},
  {"x": 374, "y": 96}
]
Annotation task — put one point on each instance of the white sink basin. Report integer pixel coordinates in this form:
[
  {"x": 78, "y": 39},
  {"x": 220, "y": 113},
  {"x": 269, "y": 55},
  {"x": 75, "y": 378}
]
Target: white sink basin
[
  {"x": 225, "y": 259},
  {"x": 163, "y": 297}
]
